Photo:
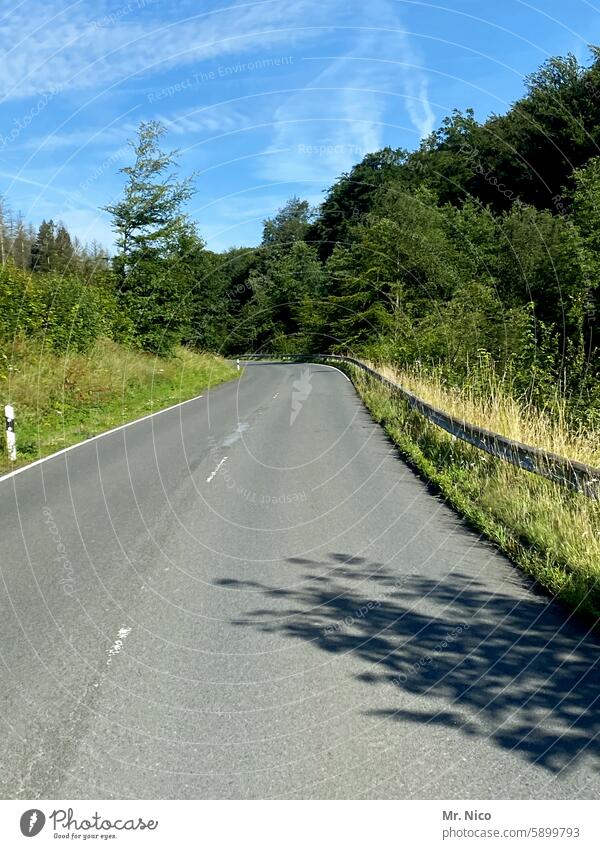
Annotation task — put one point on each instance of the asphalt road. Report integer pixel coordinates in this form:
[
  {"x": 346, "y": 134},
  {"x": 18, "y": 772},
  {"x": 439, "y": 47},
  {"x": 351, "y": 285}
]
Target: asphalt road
[{"x": 251, "y": 596}]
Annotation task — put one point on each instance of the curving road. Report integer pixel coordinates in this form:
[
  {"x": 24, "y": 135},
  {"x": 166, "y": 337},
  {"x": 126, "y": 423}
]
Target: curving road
[{"x": 251, "y": 595}]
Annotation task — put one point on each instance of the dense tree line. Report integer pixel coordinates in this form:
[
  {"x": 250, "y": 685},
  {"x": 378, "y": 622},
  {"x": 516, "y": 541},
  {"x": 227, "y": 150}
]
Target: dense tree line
[
  {"x": 54, "y": 289},
  {"x": 480, "y": 248},
  {"x": 50, "y": 248}
]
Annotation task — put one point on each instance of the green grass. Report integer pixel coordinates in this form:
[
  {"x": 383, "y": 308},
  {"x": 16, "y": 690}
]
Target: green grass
[
  {"x": 60, "y": 400},
  {"x": 550, "y": 532}
]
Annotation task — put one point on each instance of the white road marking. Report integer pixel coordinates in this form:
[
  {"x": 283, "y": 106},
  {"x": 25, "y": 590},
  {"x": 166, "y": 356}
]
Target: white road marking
[
  {"x": 335, "y": 368},
  {"x": 212, "y": 474},
  {"x": 275, "y": 396},
  {"x": 118, "y": 643},
  {"x": 94, "y": 438}
]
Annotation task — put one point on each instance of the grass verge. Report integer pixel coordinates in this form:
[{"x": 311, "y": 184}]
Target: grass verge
[
  {"x": 60, "y": 400},
  {"x": 551, "y": 532}
]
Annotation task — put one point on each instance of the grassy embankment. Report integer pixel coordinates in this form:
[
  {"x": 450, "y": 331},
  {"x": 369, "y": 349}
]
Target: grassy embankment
[
  {"x": 63, "y": 399},
  {"x": 552, "y": 533}
]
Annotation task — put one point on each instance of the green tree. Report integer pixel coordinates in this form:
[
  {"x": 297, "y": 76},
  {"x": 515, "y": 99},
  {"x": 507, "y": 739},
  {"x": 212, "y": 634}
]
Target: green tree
[
  {"x": 150, "y": 227},
  {"x": 586, "y": 216},
  {"x": 43, "y": 249},
  {"x": 289, "y": 225},
  {"x": 64, "y": 258},
  {"x": 351, "y": 198}
]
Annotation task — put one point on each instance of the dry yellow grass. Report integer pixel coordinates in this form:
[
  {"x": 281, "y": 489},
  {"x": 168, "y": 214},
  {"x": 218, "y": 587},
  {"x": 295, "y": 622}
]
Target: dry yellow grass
[
  {"x": 498, "y": 410},
  {"x": 552, "y": 532}
]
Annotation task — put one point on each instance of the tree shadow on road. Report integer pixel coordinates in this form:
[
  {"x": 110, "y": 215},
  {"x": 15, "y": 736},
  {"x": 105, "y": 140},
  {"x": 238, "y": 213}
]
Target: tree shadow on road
[{"x": 510, "y": 666}]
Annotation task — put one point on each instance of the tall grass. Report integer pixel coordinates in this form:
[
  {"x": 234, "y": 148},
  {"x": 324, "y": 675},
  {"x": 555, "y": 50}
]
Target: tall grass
[
  {"x": 551, "y": 532},
  {"x": 60, "y": 399},
  {"x": 488, "y": 400}
]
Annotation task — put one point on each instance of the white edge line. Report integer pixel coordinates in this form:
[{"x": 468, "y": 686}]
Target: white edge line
[
  {"x": 304, "y": 362},
  {"x": 335, "y": 368},
  {"x": 94, "y": 438}
]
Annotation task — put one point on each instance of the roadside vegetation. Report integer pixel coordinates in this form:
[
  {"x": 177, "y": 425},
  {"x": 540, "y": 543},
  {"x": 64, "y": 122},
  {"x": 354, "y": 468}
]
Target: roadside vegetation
[
  {"x": 470, "y": 267},
  {"x": 551, "y": 532},
  {"x": 64, "y": 398},
  {"x": 88, "y": 343}
]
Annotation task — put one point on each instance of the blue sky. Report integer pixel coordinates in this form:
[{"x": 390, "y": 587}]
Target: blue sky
[{"x": 265, "y": 99}]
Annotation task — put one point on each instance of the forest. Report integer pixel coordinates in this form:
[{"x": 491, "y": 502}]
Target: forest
[{"x": 480, "y": 248}]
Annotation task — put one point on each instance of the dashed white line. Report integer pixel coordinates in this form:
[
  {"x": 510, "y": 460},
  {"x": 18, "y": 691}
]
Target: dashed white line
[
  {"x": 212, "y": 474},
  {"x": 118, "y": 643}
]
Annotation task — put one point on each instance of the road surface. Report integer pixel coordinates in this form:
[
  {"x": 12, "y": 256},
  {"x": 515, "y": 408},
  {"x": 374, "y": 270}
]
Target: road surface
[{"x": 251, "y": 595}]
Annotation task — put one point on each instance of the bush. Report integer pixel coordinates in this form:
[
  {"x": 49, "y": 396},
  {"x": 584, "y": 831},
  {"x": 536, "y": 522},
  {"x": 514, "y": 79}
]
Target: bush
[{"x": 65, "y": 312}]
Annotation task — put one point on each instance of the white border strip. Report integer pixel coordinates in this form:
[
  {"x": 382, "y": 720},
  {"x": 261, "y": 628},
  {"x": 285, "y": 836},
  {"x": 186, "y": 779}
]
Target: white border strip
[
  {"x": 95, "y": 438},
  {"x": 295, "y": 363}
]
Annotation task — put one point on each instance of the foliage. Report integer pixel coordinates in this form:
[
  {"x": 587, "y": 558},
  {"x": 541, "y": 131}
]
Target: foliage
[
  {"x": 152, "y": 238},
  {"x": 553, "y": 534},
  {"x": 63, "y": 311},
  {"x": 482, "y": 245},
  {"x": 63, "y": 397}
]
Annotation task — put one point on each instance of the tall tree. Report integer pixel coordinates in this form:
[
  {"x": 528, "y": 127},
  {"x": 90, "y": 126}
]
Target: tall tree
[
  {"x": 289, "y": 225},
  {"x": 42, "y": 250},
  {"x": 64, "y": 256},
  {"x": 149, "y": 223}
]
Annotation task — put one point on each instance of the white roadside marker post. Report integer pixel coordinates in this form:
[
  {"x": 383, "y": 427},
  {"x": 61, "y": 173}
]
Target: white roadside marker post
[
  {"x": 238, "y": 363},
  {"x": 11, "y": 440}
]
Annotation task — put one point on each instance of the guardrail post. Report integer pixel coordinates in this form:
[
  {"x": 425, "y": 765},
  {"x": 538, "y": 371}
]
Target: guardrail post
[{"x": 11, "y": 439}]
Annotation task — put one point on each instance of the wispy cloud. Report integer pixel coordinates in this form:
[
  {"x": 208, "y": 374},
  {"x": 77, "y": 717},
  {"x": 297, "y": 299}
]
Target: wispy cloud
[
  {"x": 355, "y": 83},
  {"x": 60, "y": 46},
  {"x": 325, "y": 127},
  {"x": 343, "y": 112},
  {"x": 220, "y": 118}
]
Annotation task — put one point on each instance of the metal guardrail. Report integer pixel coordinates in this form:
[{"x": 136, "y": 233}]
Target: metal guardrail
[{"x": 571, "y": 473}]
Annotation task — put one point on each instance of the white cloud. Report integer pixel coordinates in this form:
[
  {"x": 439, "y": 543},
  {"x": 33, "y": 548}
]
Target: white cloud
[
  {"x": 330, "y": 124},
  {"x": 59, "y": 46},
  {"x": 220, "y": 118},
  {"x": 374, "y": 81}
]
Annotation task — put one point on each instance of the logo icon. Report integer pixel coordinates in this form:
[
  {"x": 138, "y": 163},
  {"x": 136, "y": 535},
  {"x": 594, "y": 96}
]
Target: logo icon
[
  {"x": 32, "y": 822},
  {"x": 302, "y": 389}
]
